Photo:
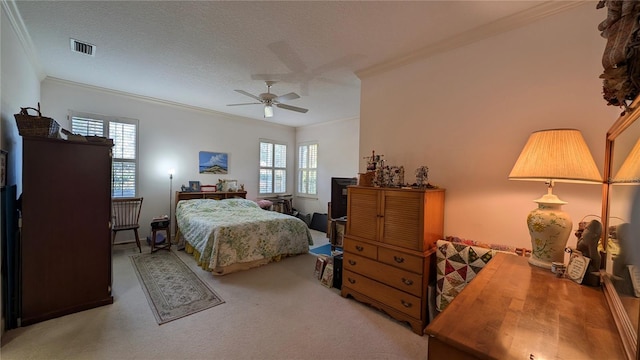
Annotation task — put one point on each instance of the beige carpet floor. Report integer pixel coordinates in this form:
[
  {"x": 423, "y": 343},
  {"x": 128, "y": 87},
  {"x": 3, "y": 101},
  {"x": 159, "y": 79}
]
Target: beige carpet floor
[{"x": 278, "y": 311}]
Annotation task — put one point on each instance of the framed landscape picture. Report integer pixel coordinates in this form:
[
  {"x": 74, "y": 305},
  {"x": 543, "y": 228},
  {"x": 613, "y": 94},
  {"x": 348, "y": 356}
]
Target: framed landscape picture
[{"x": 213, "y": 162}]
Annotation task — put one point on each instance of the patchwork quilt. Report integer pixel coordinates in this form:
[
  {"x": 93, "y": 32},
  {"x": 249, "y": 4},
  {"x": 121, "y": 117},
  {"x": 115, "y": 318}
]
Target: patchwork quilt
[{"x": 457, "y": 264}]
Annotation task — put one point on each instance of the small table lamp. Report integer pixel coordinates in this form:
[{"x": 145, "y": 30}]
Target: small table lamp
[{"x": 550, "y": 156}]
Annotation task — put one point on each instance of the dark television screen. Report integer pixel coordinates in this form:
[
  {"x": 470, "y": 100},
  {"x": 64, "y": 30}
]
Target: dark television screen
[{"x": 339, "y": 195}]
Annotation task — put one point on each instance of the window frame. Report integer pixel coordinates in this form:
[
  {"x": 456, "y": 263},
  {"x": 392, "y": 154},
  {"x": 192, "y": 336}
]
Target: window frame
[
  {"x": 272, "y": 168},
  {"x": 106, "y": 123},
  {"x": 300, "y": 170}
]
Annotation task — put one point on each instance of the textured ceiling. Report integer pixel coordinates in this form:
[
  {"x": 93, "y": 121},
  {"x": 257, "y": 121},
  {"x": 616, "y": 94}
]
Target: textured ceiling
[{"x": 197, "y": 53}]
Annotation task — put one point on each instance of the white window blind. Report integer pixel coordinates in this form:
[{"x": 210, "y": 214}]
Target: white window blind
[
  {"x": 308, "y": 169},
  {"x": 273, "y": 168},
  {"x": 124, "y": 133}
]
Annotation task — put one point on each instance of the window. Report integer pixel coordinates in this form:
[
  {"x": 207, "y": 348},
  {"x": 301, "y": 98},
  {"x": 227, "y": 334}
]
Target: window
[
  {"x": 273, "y": 168},
  {"x": 124, "y": 133},
  {"x": 308, "y": 169}
]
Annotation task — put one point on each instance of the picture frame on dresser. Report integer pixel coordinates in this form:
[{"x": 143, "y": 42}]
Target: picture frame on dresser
[
  {"x": 208, "y": 188},
  {"x": 194, "y": 186},
  {"x": 229, "y": 185}
]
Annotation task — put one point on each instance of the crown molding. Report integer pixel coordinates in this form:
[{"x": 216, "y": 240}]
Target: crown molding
[
  {"x": 15, "y": 19},
  {"x": 479, "y": 33},
  {"x": 153, "y": 100}
]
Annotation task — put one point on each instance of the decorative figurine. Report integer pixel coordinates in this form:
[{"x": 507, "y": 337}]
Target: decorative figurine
[
  {"x": 422, "y": 176},
  {"x": 588, "y": 246}
]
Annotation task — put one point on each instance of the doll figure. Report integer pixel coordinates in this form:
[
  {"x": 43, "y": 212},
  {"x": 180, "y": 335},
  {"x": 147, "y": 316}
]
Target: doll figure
[{"x": 588, "y": 246}]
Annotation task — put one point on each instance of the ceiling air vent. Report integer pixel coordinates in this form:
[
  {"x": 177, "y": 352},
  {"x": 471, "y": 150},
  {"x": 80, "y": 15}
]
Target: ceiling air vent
[{"x": 83, "y": 47}]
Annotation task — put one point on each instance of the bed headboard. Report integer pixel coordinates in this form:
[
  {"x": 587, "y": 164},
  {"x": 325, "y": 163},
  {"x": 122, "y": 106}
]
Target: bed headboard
[{"x": 216, "y": 195}]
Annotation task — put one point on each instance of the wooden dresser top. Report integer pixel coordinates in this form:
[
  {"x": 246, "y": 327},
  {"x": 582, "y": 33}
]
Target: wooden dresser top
[{"x": 513, "y": 310}]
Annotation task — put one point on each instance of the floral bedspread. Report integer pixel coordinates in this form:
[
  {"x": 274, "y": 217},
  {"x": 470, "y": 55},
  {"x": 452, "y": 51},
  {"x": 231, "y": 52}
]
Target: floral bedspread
[{"x": 230, "y": 231}]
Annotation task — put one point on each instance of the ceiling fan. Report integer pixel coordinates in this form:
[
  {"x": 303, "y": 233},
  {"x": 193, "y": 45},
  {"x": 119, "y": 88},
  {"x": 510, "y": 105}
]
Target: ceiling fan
[{"x": 269, "y": 99}]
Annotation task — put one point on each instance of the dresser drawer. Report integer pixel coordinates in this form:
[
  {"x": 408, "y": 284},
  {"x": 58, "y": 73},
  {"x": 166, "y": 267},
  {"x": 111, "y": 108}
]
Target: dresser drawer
[
  {"x": 360, "y": 248},
  {"x": 389, "y": 275},
  {"x": 401, "y": 260},
  {"x": 399, "y": 300}
]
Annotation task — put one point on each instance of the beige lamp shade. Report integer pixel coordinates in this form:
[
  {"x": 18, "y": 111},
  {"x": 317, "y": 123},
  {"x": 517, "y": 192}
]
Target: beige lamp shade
[
  {"x": 630, "y": 170},
  {"x": 556, "y": 155}
]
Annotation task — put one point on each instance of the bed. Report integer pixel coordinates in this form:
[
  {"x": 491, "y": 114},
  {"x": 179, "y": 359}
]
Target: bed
[{"x": 229, "y": 235}]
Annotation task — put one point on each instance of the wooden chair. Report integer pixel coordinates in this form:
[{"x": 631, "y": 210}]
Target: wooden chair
[{"x": 126, "y": 214}]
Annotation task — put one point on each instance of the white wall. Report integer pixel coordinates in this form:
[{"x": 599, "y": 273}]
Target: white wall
[
  {"x": 337, "y": 157},
  {"x": 171, "y": 136},
  {"x": 19, "y": 87},
  {"x": 467, "y": 114}
]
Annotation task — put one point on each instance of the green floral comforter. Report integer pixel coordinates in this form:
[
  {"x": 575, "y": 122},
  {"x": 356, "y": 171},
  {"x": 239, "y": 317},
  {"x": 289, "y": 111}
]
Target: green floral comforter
[{"x": 230, "y": 231}]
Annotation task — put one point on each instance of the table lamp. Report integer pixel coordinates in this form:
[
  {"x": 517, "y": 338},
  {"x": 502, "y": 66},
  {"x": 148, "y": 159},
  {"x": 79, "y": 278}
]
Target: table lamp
[{"x": 553, "y": 155}]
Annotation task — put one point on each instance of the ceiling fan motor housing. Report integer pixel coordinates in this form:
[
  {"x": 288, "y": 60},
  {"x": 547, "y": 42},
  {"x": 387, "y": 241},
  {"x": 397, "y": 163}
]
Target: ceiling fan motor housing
[{"x": 267, "y": 97}]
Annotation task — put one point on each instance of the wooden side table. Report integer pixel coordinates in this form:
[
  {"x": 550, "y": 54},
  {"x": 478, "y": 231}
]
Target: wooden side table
[{"x": 167, "y": 244}]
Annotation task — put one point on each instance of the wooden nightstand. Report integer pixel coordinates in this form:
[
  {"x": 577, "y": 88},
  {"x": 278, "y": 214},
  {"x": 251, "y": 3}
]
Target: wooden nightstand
[{"x": 167, "y": 244}]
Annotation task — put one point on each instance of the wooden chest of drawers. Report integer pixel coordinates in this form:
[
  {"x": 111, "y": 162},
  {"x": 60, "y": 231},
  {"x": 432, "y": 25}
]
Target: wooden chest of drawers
[{"x": 388, "y": 247}]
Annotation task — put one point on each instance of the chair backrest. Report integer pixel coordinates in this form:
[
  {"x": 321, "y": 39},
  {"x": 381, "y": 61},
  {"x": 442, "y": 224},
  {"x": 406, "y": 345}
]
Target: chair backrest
[{"x": 126, "y": 211}]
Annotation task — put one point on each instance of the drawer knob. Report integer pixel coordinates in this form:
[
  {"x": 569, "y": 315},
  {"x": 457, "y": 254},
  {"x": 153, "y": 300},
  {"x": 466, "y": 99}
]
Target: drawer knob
[
  {"x": 406, "y": 304},
  {"x": 352, "y": 262},
  {"x": 351, "y": 280},
  {"x": 407, "y": 281},
  {"x": 398, "y": 259},
  {"x": 359, "y": 248}
]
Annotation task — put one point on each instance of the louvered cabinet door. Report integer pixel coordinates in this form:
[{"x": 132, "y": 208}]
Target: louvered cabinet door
[
  {"x": 412, "y": 219},
  {"x": 402, "y": 219},
  {"x": 363, "y": 212}
]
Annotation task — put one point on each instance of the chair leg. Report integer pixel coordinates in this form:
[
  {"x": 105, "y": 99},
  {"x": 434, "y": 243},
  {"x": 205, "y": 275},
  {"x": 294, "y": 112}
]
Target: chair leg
[{"x": 137, "y": 240}]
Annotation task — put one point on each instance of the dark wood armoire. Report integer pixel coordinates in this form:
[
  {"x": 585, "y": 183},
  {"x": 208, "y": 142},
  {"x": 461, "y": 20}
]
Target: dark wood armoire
[{"x": 65, "y": 244}]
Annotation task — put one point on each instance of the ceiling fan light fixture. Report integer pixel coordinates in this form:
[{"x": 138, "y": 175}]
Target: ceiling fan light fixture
[{"x": 268, "y": 111}]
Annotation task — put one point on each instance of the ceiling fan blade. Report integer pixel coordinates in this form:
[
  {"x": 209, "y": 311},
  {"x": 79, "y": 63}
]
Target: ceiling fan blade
[
  {"x": 247, "y": 94},
  {"x": 288, "y": 56},
  {"x": 285, "y": 97},
  {"x": 244, "y": 104},
  {"x": 293, "y": 108}
]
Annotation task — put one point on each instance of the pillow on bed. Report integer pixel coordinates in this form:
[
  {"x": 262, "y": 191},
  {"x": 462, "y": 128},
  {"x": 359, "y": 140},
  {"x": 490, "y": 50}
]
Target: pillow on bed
[
  {"x": 240, "y": 203},
  {"x": 264, "y": 204}
]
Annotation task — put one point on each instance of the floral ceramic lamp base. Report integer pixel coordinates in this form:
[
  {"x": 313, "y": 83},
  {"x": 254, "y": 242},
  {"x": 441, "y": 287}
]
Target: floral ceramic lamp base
[{"x": 549, "y": 228}]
